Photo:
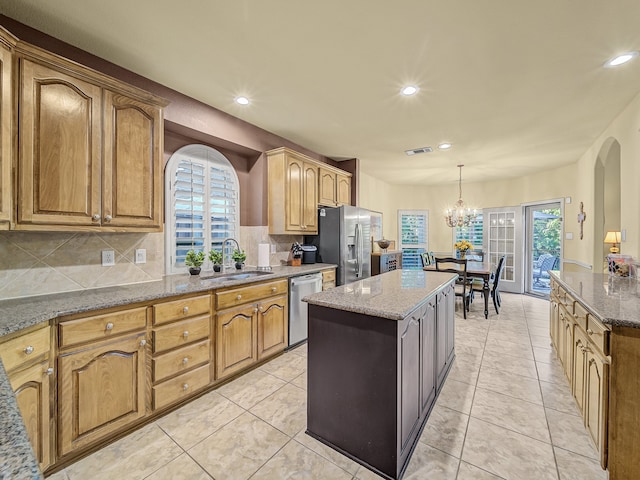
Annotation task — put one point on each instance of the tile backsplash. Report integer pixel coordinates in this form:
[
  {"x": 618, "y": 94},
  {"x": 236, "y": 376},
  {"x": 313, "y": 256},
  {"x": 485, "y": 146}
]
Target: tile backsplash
[{"x": 37, "y": 263}]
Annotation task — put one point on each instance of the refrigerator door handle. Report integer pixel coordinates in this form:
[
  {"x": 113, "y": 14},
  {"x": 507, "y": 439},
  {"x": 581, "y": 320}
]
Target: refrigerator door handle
[{"x": 357, "y": 247}]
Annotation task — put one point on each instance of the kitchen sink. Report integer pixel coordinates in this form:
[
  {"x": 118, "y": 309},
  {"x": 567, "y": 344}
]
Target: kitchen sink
[{"x": 234, "y": 276}]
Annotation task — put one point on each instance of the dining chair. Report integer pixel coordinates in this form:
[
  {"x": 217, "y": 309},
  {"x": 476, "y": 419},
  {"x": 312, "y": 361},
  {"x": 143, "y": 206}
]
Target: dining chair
[
  {"x": 475, "y": 256},
  {"x": 494, "y": 284},
  {"x": 462, "y": 286}
]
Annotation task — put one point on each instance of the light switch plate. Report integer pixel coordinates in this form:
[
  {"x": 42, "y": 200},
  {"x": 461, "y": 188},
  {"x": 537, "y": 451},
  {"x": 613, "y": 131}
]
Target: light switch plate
[
  {"x": 141, "y": 255},
  {"x": 568, "y": 235},
  {"x": 108, "y": 258}
]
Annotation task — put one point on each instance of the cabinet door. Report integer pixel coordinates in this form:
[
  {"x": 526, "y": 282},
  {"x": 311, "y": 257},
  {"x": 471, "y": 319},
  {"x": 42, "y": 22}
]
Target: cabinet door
[
  {"x": 59, "y": 148},
  {"x": 6, "y": 119},
  {"x": 294, "y": 188},
  {"x": 428, "y": 346},
  {"x": 236, "y": 343},
  {"x": 553, "y": 320},
  {"x": 409, "y": 353},
  {"x": 310, "y": 199},
  {"x": 32, "y": 390},
  {"x": 132, "y": 183},
  {"x": 597, "y": 399},
  {"x": 272, "y": 327},
  {"x": 579, "y": 366},
  {"x": 101, "y": 390},
  {"x": 343, "y": 190},
  {"x": 327, "y": 190}
]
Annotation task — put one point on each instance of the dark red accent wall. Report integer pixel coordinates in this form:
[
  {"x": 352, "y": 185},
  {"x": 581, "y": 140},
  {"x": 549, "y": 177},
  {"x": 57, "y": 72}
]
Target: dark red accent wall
[{"x": 190, "y": 121}]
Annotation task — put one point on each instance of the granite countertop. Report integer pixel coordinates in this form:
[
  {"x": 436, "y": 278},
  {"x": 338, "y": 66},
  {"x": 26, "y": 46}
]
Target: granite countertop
[
  {"x": 614, "y": 300},
  {"x": 17, "y": 460},
  {"x": 392, "y": 295}
]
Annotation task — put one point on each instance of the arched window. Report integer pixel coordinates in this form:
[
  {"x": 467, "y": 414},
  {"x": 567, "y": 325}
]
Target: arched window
[{"x": 202, "y": 197}]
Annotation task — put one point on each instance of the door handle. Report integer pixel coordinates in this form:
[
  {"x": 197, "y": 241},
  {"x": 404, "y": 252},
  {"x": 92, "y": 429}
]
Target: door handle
[{"x": 357, "y": 245}]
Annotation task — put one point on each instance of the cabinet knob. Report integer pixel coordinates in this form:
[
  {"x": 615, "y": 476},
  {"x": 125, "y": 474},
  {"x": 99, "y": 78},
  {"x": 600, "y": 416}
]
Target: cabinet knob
[
  {"x": 589, "y": 331},
  {"x": 185, "y": 387},
  {"x": 49, "y": 371},
  {"x": 185, "y": 360},
  {"x": 273, "y": 289},
  {"x": 239, "y": 297},
  {"x": 29, "y": 350},
  {"x": 109, "y": 326},
  {"x": 108, "y": 218},
  {"x": 185, "y": 334},
  {"x": 255, "y": 310},
  {"x": 95, "y": 217},
  {"x": 143, "y": 342},
  {"x": 185, "y": 310}
]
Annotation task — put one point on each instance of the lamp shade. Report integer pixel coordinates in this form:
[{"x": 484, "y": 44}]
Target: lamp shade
[{"x": 612, "y": 237}]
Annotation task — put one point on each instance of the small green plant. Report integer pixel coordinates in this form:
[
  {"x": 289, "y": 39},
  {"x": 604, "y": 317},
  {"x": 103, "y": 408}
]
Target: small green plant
[
  {"x": 239, "y": 256},
  {"x": 194, "y": 259},
  {"x": 215, "y": 256}
]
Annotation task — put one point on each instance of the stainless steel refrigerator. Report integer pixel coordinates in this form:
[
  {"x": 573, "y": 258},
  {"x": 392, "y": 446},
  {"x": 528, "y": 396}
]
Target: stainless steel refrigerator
[{"x": 344, "y": 238}]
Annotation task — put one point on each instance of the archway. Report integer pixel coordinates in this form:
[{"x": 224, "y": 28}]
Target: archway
[{"x": 606, "y": 214}]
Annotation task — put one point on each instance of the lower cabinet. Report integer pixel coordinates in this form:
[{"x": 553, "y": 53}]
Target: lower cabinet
[
  {"x": 272, "y": 327},
  {"x": 595, "y": 410},
  {"x": 101, "y": 389},
  {"x": 445, "y": 333}
]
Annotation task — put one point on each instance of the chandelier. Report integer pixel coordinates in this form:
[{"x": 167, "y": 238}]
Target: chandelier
[{"x": 459, "y": 215}]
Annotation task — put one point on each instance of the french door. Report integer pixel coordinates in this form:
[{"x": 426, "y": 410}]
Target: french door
[
  {"x": 503, "y": 234},
  {"x": 543, "y": 243}
]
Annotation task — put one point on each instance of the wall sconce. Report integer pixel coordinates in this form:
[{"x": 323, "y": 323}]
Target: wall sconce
[{"x": 614, "y": 239}]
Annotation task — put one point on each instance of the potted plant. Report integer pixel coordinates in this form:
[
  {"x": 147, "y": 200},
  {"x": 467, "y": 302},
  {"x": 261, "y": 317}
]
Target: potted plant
[
  {"x": 194, "y": 260},
  {"x": 215, "y": 257},
  {"x": 239, "y": 256}
]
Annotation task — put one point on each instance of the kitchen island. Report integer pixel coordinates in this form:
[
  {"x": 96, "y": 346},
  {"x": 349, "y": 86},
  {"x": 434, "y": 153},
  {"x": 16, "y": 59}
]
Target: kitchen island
[{"x": 379, "y": 351}]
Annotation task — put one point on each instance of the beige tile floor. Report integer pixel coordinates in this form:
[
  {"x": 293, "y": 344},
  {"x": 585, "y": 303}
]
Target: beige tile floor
[{"x": 505, "y": 412}]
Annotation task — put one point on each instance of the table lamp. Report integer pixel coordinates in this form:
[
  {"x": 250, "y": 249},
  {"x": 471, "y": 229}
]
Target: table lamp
[{"x": 614, "y": 239}]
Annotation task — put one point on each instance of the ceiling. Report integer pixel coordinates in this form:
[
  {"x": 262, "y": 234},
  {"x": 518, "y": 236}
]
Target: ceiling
[{"x": 515, "y": 86}]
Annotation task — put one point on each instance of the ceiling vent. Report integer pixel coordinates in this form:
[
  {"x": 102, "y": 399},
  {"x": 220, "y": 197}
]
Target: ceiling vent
[{"x": 416, "y": 151}]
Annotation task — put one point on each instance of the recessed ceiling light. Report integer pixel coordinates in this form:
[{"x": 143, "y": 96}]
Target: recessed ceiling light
[
  {"x": 409, "y": 90},
  {"x": 242, "y": 100},
  {"x": 621, "y": 59},
  {"x": 445, "y": 146}
]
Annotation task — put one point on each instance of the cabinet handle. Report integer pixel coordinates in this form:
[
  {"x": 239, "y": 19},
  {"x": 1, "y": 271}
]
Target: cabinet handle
[
  {"x": 109, "y": 326},
  {"x": 589, "y": 331},
  {"x": 185, "y": 360},
  {"x": 239, "y": 297},
  {"x": 185, "y": 387},
  {"x": 143, "y": 342},
  {"x": 273, "y": 289},
  {"x": 95, "y": 217},
  {"x": 107, "y": 218},
  {"x": 185, "y": 334},
  {"x": 49, "y": 371},
  {"x": 29, "y": 350},
  {"x": 185, "y": 310}
]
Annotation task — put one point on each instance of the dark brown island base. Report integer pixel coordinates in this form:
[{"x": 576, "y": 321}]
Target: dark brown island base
[{"x": 379, "y": 351}]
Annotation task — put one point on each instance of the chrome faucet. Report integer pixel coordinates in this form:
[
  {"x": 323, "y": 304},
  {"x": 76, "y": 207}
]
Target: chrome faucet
[{"x": 224, "y": 242}]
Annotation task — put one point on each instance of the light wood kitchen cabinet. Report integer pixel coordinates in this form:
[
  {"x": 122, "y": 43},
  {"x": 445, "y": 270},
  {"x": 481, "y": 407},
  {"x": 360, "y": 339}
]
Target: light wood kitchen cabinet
[
  {"x": 334, "y": 187},
  {"x": 328, "y": 279},
  {"x": 251, "y": 325},
  {"x": 6, "y": 127},
  {"x": 595, "y": 410},
  {"x": 89, "y": 149},
  {"x": 28, "y": 363},
  {"x": 102, "y": 384}
]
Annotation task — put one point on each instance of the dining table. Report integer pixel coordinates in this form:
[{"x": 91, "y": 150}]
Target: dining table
[{"x": 475, "y": 269}]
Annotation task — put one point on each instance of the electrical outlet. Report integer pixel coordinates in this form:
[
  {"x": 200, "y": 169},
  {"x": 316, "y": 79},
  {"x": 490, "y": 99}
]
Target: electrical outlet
[
  {"x": 108, "y": 258},
  {"x": 141, "y": 255},
  {"x": 273, "y": 248}
]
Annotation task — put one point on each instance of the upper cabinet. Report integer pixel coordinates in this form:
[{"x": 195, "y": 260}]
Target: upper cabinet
[
  {"x": 6, "y": 116},
  {"x": 89, "y": 149},
  {"x": 297, "y": 186}
]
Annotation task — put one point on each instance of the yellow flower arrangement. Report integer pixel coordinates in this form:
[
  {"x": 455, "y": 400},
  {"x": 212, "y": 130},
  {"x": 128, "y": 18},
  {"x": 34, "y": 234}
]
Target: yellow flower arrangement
[{"x": 463, "y": 246}]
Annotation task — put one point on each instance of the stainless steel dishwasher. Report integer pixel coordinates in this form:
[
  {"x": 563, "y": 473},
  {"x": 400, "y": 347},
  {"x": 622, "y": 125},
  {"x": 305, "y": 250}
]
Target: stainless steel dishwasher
[{"x": 300, "y": 287}]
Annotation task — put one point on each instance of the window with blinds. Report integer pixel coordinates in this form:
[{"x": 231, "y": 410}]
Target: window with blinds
[
  {"x": 472, "y": 233},
  {"x": 202, "y": 203},
  {"x": 413, "y": 228}
]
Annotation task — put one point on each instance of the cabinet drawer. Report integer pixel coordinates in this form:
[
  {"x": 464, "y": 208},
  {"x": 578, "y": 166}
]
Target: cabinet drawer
[
  {"x": 180, "y": 387},
  {"x": 251, "y": 293},
  {"x": 100, "y": 327},
  {"x": 581, "y": 315},
  {"x": 598, "y": 334},
  {"x": 25, "y": 348},
  {"x": 181, "y": 333},
  {"x": 177, "y": 309},
  {"x": 328, "y": 276},
  {"x": 181, "y": 360}
]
